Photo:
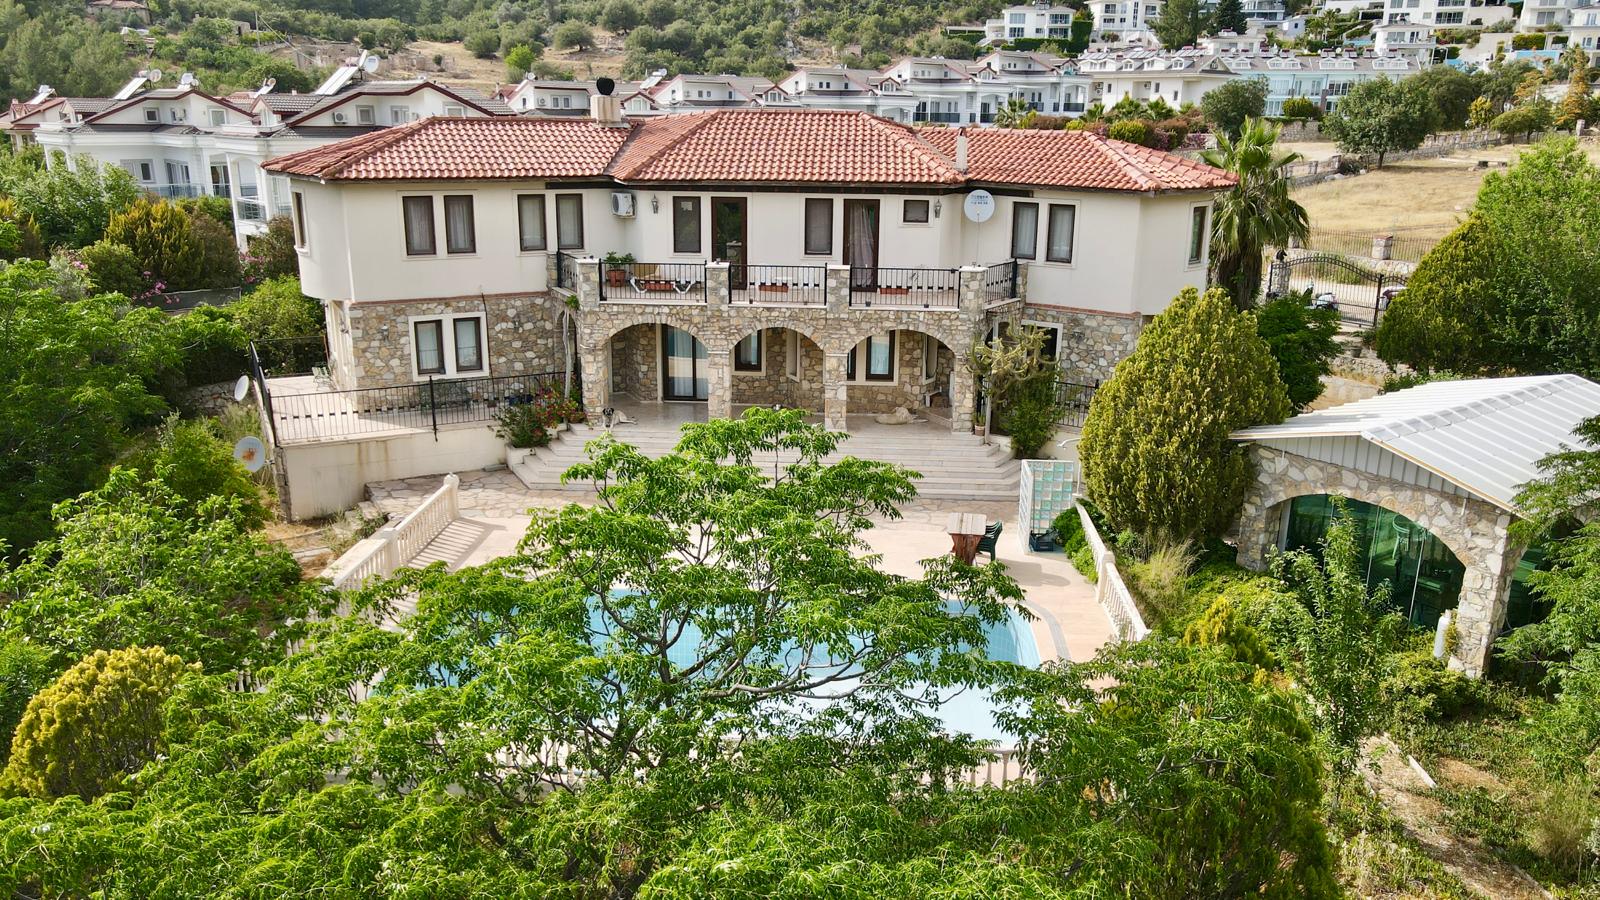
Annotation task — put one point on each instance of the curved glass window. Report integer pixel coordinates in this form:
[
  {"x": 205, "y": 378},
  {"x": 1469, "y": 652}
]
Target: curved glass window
[{"x": 1424, "y": 577}]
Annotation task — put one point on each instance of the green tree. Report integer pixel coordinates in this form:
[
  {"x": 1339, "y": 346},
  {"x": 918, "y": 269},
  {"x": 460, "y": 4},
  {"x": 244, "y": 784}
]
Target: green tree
[
  {"x": 216, "y": 254},
  {"x": 1181, "y": 23},
  {"x": 1577, "y": 106},
  {"x": 571, "y": 36},
  {"x": 1381, "y": 116},
  {"x": 483, "y": 44},
  {"x": 114, "y": 269},
  {"x": 1303, "y": 339},
  {"x": 1480, "y": 113},
  {"x": 1451, "y": 91},
  {"x": 24, "y": 669},
  {"x": 1228, "y": 107},
  {"x": 621, "y": 16},
  {"x": 1514, "y": 289},
  {"x": 97, "y": 724},
  {"x": 272, "y": 255},
  {"x": 275, "y": 310},
  {"x": 191, "y": 459},
  {"x": 518, "y": 61},
  {"x": 69, "y": 208},
  {"x": 1228, "y": 16},
  {"x": 1155, "y": 447},
  {"x": 1337, "y": 651},
  {"x": 1020, "y": 381},
  {"x": 1013, "y": 114},
  {"x": 1300, "y": 108},
  {"x": 134, "y": 562},
  {"x": 1255, "y": 213},
  {"x": 162, "y": 236},
  {"x": 661, "y": 13},
  {"x": 1524, "y": 120}
]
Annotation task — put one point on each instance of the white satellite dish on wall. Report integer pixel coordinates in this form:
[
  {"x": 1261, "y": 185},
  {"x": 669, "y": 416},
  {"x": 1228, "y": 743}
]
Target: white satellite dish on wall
[
  {"x": 251, "y": 453},
  {"x": 241, "y": 388},
  {"x": 979, "y": 206}
]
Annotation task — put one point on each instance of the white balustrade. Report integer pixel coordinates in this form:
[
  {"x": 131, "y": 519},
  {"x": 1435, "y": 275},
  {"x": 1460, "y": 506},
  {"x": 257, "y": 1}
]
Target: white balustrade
[
  {"x": 392, "y": 547},
  {"x": 1110, "y": 590}
]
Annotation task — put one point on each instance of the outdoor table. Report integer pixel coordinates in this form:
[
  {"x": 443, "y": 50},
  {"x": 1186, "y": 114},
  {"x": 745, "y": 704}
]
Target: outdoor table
[{"x": 966, "y": 530}]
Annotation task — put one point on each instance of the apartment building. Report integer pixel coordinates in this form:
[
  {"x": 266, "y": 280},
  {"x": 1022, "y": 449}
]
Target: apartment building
[
  {"x": 1126, "y": 21},
  {"x": 1036, "y": 21},
  {"x": 961, "y": 92},
  {"x": 1187, "y": 75},
  {"x": 834, "y": 261}
]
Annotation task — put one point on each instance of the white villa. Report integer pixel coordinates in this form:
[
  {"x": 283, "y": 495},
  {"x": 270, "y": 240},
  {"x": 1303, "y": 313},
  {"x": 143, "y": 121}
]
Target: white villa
[
  {"x": 1184, "y": 76},
  {"x": 1038, "y": 21},
  {"x": 833, "y": 261}
]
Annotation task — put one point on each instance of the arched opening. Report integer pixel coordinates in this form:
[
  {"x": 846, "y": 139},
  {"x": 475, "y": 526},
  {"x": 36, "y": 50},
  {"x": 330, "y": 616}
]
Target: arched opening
[
  {"x": 653, "y": 361},
  {"x": 1525, "y": 605},
  {"x": 1423, "y": 574},
  {"x": 901, "y": 367},
  {"x": 777, "y": 367}
]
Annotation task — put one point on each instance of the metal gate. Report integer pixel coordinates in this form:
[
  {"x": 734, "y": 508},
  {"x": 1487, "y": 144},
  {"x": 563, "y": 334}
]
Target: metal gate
[{"x": 1359, "y": 294}]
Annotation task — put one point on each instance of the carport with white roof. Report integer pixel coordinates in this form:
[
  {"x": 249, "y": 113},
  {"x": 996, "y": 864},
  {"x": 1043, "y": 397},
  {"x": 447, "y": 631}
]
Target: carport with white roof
[{"x": 1439, "y": 466}]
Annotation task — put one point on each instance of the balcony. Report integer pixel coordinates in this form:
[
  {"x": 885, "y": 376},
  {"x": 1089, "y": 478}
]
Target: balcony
[
  {"x": 904, "y": 288},
  {"x": 947, "y": 118},
  {"x": 175, "y": 191},
  {"x": 777, "y": 285},
  {"x": 653, "y": 282}
]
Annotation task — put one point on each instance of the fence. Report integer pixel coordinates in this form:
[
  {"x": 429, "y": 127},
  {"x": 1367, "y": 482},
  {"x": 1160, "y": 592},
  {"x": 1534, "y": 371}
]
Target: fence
[
  {"x": 326, "y": 415},
  {"x": 1433, "y": 146},
  {"x": 801, "y": 285},
  {"x": 1359, "y": 294},
  {"x": 291, "y": 356},
  {"x": 566, "y": 270},
  {"x": 653, "y": 281},
  {"x": 1110, "y": 590},
  {"x": 900, "y": 287},
  {"x": 1404, "y": 244},
  {"x": 1075, "y": 399},
  {"x": 183, "y": 301},
  {"x": 392, "y": 547},
  {"x": 1000, "y": 281}
]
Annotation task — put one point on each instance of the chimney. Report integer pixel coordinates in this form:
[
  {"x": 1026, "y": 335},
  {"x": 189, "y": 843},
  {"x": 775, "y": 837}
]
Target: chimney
[
  {"x": 605, "y": 109},
  {"x": 961, "y": 151}
]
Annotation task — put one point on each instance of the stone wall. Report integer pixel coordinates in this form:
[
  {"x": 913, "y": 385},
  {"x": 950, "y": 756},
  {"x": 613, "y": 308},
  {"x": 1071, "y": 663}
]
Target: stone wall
[
  {"x": 1092, "y": 343},
  {"x": 1477, "y": 532},
  {"x": 636, "y": 362},
  {"x": 522, "y": 334},
  {"x": 773, "y": 385}
]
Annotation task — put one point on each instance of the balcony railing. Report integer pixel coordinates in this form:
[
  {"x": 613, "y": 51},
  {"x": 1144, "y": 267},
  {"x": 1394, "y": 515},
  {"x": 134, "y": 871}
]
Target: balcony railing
[
  {"x": 251, "y": 209},
  {"x": 566, "y": 270},
  {"x": 905, "y": 287},
  {"x": 778, "y": 285},
  {"x": 948, "y": 118},
  {"x": 1000, "y": 281},
  {"x": 1073, "y": 106},
  {"x": 174, "y": 191},
  {"x": 663, "y": 282}
]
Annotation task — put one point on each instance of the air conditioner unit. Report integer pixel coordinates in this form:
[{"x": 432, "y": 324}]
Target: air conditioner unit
[
  {"x": 338, "y": 118},
  {"x": 622, "y": 204}
]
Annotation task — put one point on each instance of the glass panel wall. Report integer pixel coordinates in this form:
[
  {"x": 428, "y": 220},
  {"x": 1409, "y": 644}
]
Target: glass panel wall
[{"x": 1424, "y": 577}]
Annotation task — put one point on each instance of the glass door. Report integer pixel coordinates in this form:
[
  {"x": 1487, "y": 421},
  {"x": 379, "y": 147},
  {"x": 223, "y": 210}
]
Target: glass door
[
  {"x": 683, "y": 365},
  {"x": 729, "y": 238},
  {"x": 861, "y": 243}
]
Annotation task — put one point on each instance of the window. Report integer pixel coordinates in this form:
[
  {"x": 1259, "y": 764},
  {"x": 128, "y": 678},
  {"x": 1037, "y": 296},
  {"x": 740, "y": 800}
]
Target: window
[
  {"x": 419, "y": 226},
  {"x": 448, "y": 345},
  {"x": 299, "y": 201},
  {"x": 791, "y": 362},
  {"x": 455, "y": 112},
  {"x": 218, "y": 117},
  {"x": 685, "y": 224},
  {"x": 146, "y": 172},
  {"x": 1052, "y": 338},
  {"x": 152, "y": 114},
  {"x": 366, "y": 115},
  {"x": 530, "y": 221},
  {"x": 1025, "y": 230},
  {"x": 914, "y": 212},
  {"x": 569, "y": 221},
  {"x": 1197, "y": 236},
  {"x": 747, "y": 354},
  {"x": 399, "y": 115},
  {"x": 459, "y": 234},
  {"x": 930, "y": 357},
  {"x": 819, "y": 225},
  {"x": 1063, "y": 218},
  {"x": 872, "y": 359}
]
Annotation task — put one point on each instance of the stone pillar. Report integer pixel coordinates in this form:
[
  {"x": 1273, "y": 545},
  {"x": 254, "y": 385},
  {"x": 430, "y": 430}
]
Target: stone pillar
[
  {"x": 1382, "y": 246},
  {"x": 1481, "y": 609},
  {"x": 838, "y": 290},
  {"x": 719, "y": 381},
  {"x": 971, "y": 293},
  {"x": 963, "y": 398},
  {"x": 596, "y": 362},
  {"x": 588, "y": 286},
  {"x": 1020, "y": 289},
  {"x": 835, "y": 392},
  {"x": 717, "y": 285}
]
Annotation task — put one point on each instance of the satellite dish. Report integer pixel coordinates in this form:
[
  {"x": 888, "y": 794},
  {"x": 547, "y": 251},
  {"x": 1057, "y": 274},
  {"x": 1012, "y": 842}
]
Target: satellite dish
[
  {"x": 604, "y": 86},
  {"x": 154, "y": 76},
  {"x": 241, "y": 388},
  {"x": 979, "y": 206},
  {"x": 251, "y": 453},
  {"x": 370, "y": 64}
]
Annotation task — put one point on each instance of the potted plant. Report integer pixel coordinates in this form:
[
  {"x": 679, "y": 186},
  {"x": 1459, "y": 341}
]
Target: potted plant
[{"x": 616, "y": 268}]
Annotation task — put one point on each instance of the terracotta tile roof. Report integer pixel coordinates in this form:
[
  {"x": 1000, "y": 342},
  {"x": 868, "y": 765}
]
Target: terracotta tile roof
[
  {"x": 775, "y": 146},
  {"x": 1073, "y": 159},
  {"x": 451, "y": 148}
]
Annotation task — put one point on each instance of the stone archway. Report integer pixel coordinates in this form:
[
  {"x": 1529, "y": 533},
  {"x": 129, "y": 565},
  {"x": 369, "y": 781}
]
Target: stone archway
[
  {"x": 1476, "y": 531},
  {"x": 627, "y": 356},
  {"x": 927, "y": 363},
  {"x": 777, "y": 365}
]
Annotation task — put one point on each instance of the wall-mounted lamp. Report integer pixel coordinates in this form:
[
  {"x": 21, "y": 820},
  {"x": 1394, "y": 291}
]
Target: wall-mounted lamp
[
  {"x": 655, "y": 203},
  {"x": 383, "y": 331},
  {"x": 938, "y": 207},
  {"x": 516, "y": 321}
]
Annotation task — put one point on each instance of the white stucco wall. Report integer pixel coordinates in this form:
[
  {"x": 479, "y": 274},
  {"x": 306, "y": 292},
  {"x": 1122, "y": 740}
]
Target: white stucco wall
[{"x": 331, "y": 477}]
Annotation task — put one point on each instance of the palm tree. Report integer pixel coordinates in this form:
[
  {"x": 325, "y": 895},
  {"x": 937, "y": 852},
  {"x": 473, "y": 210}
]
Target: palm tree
[
  {"x": 1013, "y": 115},
  {"x": 1257, "y": 213}
]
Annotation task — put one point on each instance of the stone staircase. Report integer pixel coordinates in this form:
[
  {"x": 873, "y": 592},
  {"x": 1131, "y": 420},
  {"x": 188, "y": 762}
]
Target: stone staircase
[{"x": 953, "y": 466}]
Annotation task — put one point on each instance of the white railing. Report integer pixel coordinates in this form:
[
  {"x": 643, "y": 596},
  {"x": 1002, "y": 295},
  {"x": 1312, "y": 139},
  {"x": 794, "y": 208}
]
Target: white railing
[
  {"x": 392, "y": 547},
  {"x": 999, "y": 768},
  {"x": 1109, "y": 588}
]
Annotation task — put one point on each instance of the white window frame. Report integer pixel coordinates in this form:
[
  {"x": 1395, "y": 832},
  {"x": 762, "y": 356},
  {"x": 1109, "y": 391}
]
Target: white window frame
[
  {"x": 152, "y": 115},
  {"x": 761, "y": 354},
  {"x": 297, "y": 215},
  {"x": 1047, "y": 326},
  {"x": 455, "y": 112},
  {"x": 861, "y": 363},
  {"x": 912, "y": 223},
  {"x": 366, "y": 115},
  {"x": 399, "y": 115},
  {"x": 218, "y": 117},
  {"x": 930, "y": 351},
  {"x": 448, "y": 348},
  {"x": 791, "y": 363},
  {"x": 1205, "y": 243}
]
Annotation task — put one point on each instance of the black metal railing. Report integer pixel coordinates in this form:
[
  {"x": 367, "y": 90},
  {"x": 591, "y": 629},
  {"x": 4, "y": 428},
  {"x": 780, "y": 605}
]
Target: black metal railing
[
  {"x": 798, "y": 285},
  {"x": 1000, "y": 281},
  {"x": 948, "y": 118},
  {"x": 566, "y": 270},
  {"x": 332, "y": 415},
  {"x": 259, "y": 378},
  {"x": 291, "y": 356},
  {"x": 1075, "y": 398},
  {"x": 902, "y": 287},
  {"x": 681, "y": 282}
]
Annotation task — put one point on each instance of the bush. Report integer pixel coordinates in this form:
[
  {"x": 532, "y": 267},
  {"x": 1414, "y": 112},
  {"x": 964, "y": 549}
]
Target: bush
[
  {"x": 571, "y": 36},
  {"x": 114, "y": 269},
  {"x": 100, "y": 722},
  {"x": 1303, "y": 340},
  {"x": 191, "y": 458},
  {"x": 217, "y": 254},
  {"x": 1528, "y": 41},
  {"x": 1300, "y": 108},
  {"x": 1422, "y": 690},
  {"x": 218, "y": 208},
  {"x": 1083, "y": 561},
  {"x": 24, "y": 669},
  {"x": 522, "y": 426},
  {"x": 161, "y": 236},
  {"x": 1160, "y": 582},
  {"x": 276, "y": 309},
  {"x": 1221, "y": 626},
  {"x": 482, "y": 44},
  {"x": 1134, "y": 131},
  {"x": 272, "y": 254}
]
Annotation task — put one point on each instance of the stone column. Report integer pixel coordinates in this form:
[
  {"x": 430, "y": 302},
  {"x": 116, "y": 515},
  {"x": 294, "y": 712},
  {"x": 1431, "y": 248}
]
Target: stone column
[
  {"x": 835, "y": 392},
  {"x": 719, "y": 381},
  {"x": 1481, "y": 609},
  {"x": 717, "y": 285},
  {"x": 1020, "y": 289},
  {"x": 838, "y": 279},
  {"x": 963, "y": 398},
  {"x": 588, "y": 286},
  {"x": 972, "y": 300},
  {"x": 595, "y": 358},
  {"x": 1382, "y": 246}
]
